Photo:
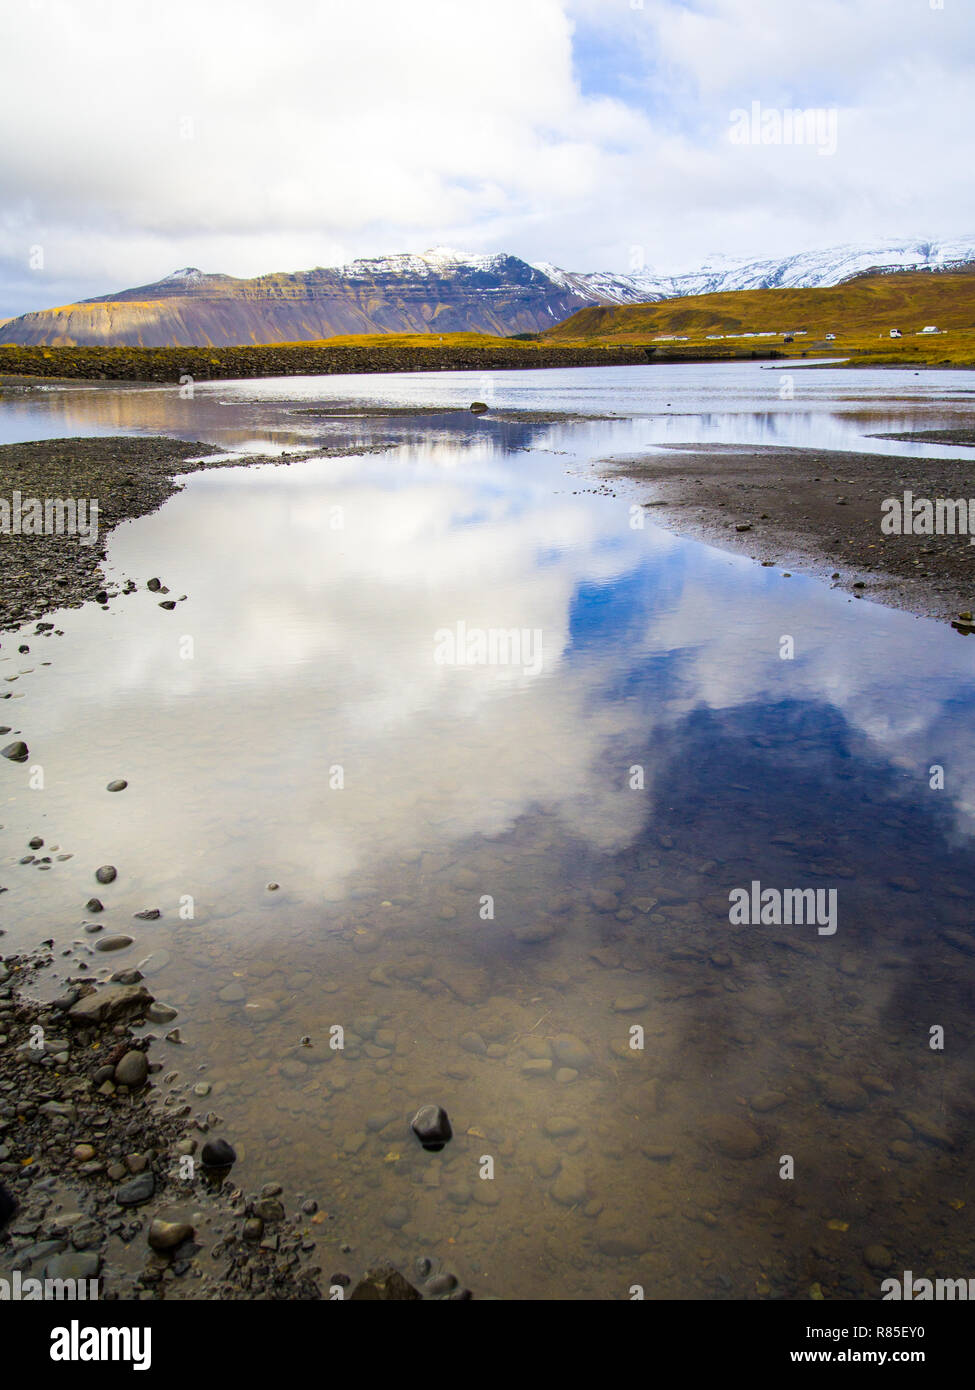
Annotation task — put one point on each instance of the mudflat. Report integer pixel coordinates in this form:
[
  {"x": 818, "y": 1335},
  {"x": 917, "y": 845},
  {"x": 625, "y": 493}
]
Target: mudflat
[{"x": 816, "y": 510}]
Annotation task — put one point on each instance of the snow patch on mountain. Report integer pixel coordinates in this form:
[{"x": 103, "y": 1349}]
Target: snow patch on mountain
[
  {"x": 189, "y": 275},
  {"x": 806, "y": 270},
  {"x": 439, "y": 263}
]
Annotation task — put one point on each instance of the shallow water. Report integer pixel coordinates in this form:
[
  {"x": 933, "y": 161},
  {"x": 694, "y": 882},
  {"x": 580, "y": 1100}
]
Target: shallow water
[
  {"x": 290, "y": 723},
  {"x": 797, "y": 405}
]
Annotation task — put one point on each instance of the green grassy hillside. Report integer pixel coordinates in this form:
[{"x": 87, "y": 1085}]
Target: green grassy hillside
[{"x": 860, "y": 313}]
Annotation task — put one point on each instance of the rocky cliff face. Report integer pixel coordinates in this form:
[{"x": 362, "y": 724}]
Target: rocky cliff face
[{"x": 407, "y": 294}]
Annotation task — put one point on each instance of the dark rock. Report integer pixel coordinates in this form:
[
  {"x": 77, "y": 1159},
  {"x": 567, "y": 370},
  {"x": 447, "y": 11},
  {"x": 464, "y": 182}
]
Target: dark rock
[
  {"x": 132, "y": 1070},
  {"x": 161, "y": 1013},
  {"x": 478, "y": 407},
  {"x": 37, "y": 1253},
  {"x": 8, "y": 1205},
  {"x": 94, "y": 905},
  {"x": 117, "y": 786},
  {"x": 842, "y": 1093},
  {"x": 217, "y": 1153},
  {"x": 154, "y": 585},
  {"x": 572, "y": 1051},
  {"x": 107, "y": 873},
  {"x": 151, "y": 914},
  {"x": 733, "y": 1136},
  {"x": 166, "y": 1235},
  {"x": 73, "y": 1264},
  {"x": 878, "y": 1257},
  {"x": 86, "y": 1234},
  {"x": 269, "y": 1209},
  {"x": 136, "y": 1191},
  {"x": 440, "y": 1284},
  {"x": 621, "y": 1243},
  {"x": 126, "y": 977},
  {"x": 432, "y": 1127},
  {"x": 17, "y": 752},
  {"x": 384, "y": 1285},
  {"x": 110, "y": 1003}
]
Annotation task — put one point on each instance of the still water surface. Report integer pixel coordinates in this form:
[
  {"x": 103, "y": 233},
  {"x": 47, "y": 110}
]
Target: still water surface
[{"x": 290, "y": 723}]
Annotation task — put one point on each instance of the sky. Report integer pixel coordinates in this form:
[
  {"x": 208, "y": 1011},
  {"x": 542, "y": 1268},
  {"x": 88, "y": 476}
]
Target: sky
[{"x": 249, "y": 136}]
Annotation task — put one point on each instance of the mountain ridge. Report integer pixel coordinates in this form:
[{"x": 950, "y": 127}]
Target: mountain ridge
[{"x": 438, "y": 291}]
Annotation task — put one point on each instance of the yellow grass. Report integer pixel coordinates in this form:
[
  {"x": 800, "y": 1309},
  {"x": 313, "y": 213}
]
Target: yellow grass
[{"x": 860, "y": 313}]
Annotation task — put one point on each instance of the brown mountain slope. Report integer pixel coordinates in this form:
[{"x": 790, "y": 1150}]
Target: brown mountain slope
[{"x": 502, "y": 295}]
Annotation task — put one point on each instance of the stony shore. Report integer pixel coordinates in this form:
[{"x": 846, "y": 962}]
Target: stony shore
[
  {"x": 815, "y": 510},
  {"x": 110, "y": 1185},
  {"x": 114, "y": 1168},
  {"x": 128, "y": 475}
]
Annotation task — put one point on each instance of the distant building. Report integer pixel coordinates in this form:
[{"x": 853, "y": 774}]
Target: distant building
[{"x": 931, "y": 329}]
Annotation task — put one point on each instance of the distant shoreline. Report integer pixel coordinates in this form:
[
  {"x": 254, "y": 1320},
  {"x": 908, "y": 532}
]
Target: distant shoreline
[
  {"x": 167, "y": 366},
  {"x": 21, "y": 366}
]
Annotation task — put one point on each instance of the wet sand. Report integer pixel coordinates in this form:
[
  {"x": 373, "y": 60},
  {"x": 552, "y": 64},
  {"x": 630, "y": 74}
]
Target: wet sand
[
  {"x": 962, "y": 436},
  {"x": 816, "y": 510}
]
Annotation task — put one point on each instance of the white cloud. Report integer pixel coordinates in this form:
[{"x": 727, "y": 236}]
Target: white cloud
[{"x": 256, "y": 136}]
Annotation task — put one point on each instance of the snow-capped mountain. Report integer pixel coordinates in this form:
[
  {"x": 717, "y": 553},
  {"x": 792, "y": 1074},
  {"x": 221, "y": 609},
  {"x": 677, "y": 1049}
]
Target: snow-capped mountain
[
  {"x": 189, "y": 275},
  {"x": 436, "y": 291},
  {"x": 435, "y": 264},
  {"x": 807, "y": 270}
]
